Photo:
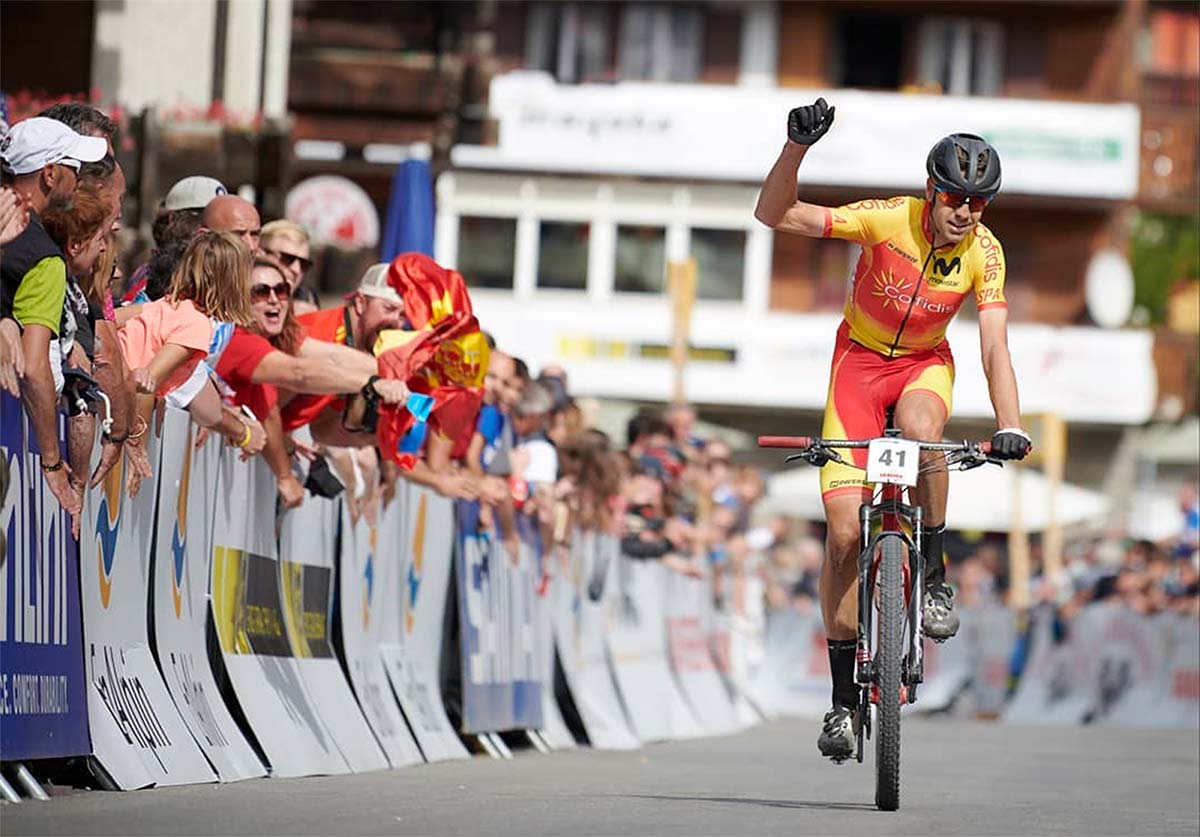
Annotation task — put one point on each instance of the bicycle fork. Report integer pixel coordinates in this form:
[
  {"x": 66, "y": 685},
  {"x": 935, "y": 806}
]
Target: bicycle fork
[{"x": 888, "y": 507}]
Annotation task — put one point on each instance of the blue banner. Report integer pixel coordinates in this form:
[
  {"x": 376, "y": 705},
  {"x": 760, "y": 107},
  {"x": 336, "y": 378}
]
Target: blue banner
[
  {"x": 43, "y": 697},
  {"x": 497, "y": 603}
]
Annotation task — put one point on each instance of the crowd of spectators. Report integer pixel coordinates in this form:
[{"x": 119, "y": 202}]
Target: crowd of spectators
[{"x": 218, "y": 321}]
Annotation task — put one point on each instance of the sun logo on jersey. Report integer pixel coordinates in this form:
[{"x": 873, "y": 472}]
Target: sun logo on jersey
[
  {"x": 416, "y": 567},
  {"x": 890, "y": 289},
  {"x": 108, "y": 525},
  {"x": 179, "y": 532}
]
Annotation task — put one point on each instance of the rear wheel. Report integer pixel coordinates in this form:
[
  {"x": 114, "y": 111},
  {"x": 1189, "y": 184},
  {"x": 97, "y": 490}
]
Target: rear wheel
[{"x": 889, "y": 653}]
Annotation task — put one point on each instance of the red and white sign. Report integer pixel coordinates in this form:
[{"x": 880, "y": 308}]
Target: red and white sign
[{"x": 335, "y": 211}]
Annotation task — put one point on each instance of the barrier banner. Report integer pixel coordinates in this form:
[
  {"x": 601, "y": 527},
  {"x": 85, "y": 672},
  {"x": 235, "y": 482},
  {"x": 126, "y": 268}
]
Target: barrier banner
[
  {"x": 949, "y": 667},
  {"x": 1126, "y": 658},
  {"x": 554, "y": 728},
  {"x": 483, "y": 572},
  {"x": 1180, "y": 705},
  {"x": 794, "y": 678},
  {"x": 1051, "y": 690},
  {"x": 412, "y": 647},
  {"x": 181, "y": 572},
  {"x": 689, "y": 602},
  {"x": 43, "y": 690},
  {"x": 736, "y": 642},
  {"x": 368, "y": 573},
  {"x": 637, "y": 646},
  {"x": 307, "y": 546},
  {"x": 138, "y": 735},
  {"x": 993, "y": 633},
  {"x": 525, "y": 578},
  {"x": 580, "y": 621},
  {"x": 248, "y": 613}
]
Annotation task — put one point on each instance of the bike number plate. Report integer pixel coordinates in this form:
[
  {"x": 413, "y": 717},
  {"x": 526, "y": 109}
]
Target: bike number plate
[{"x": 894, "y": 461}]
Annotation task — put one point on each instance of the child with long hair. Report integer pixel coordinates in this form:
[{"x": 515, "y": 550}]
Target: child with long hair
[{"x": 168, "y": 337}]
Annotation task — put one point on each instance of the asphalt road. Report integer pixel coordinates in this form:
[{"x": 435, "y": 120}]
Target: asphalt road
[{"x": 959, "y": 778}]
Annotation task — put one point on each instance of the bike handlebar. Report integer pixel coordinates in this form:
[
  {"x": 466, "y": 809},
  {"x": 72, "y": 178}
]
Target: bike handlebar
[{"x": 806, "y": 442}]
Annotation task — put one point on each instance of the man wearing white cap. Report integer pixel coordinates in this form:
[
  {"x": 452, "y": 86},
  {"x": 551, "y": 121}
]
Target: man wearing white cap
[
  {"x": 375, "y": 306},
  {"x": 40, "y": 158}
]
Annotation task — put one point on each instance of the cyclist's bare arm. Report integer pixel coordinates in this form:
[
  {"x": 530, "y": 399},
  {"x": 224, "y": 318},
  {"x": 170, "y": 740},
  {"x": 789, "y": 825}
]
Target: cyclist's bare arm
[
  {"x": 777, "y": 204},
  {"x": 997, "y": 366}
]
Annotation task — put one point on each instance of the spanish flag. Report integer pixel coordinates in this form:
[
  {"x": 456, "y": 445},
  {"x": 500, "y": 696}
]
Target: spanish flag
[{"x": 444, "y": 356}]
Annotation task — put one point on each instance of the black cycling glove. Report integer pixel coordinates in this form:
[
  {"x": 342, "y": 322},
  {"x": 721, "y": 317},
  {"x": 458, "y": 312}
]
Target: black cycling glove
[
  {"x": 808, "y": 123},
  {"x": 1011, "y": 443}
]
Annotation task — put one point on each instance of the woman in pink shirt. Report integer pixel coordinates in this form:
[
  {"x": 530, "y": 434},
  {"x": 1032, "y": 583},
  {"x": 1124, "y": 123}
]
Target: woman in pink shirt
[{"x": 167, "y": 338}]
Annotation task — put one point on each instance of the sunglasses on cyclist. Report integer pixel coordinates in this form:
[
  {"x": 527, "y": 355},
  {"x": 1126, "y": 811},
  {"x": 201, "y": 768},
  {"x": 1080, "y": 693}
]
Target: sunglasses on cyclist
[
  {"x": 976, "y": 203},
  {"x": 261, "y": 292},
  {"x": 289, "y": 259}
]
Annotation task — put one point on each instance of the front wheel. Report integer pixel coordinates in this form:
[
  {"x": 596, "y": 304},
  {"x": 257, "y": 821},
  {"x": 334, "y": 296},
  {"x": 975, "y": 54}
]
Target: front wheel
[{"x": 889, "y": 653}]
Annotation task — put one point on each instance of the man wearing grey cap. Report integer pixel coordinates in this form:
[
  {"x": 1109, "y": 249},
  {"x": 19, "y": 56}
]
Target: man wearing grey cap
[{"x": 40, "y": 159}]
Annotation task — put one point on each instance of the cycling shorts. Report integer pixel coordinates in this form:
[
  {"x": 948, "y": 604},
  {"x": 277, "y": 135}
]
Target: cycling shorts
[{"x": 862, "y": 385}]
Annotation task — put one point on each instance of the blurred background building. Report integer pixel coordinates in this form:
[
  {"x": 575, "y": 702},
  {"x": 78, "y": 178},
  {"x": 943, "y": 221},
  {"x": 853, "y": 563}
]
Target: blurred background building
[{"x": 575, "y": 148}]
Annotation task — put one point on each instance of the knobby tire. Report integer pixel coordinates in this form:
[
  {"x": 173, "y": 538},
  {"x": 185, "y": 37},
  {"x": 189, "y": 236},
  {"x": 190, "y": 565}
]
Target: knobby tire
[{"x": 889, "y": 653}]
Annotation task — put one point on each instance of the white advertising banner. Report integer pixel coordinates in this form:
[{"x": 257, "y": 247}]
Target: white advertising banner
[
  {"x": 580, "y": 623},
  {"x": 181, "y": 572},
  {"x": 1052, "y": 689},
  {"x": 688, "y": 603},
  {"x": 307, "y": 545},
  {"x": 1180, "y": 704},
  {"x": 248, "y": 613},
  {"x": 724, "y": 132},
  {"x": 637, "y": 645},
  {"x": 554, "y": 728},
  {"x": 137, "y": 733},
  {"x": 794, "y": 678},
  {"x": 737, "y": 638},
  {"x": 368, "y": 570},
  {"x": 413, "y": 612}
]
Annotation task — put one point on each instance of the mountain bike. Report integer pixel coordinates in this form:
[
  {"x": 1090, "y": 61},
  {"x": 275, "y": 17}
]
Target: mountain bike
[{"x": 891, "y": 572}]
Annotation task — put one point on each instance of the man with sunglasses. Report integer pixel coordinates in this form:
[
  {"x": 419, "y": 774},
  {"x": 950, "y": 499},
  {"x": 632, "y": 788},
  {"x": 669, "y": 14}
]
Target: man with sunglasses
[
  {"x": 287, "y": 243},
  {"x": 41, "y": 160},
  {"x": 920, "y": 259}
]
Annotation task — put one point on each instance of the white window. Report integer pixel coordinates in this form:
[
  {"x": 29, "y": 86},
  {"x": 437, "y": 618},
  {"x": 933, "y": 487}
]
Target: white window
[
  {"x": 660, "y": 42},
  {"x": 486, "y": 251},
  {"x": 572, "y": 41},
  {"x": 962, "y": 55}
]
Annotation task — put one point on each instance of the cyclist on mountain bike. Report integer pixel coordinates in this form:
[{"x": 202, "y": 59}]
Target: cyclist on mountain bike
[{"x": 920, "y": 258}]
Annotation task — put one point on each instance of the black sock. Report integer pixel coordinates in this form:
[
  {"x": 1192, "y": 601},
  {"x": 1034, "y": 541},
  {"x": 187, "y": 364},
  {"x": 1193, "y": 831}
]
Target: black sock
[
  {"x": 841, "y": 666},
  {"x": 935, "y": 562}
]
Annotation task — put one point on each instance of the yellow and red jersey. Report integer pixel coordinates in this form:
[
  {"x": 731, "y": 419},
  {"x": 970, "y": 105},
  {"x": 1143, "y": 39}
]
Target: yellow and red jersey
[{"x": 905, "y": 292}]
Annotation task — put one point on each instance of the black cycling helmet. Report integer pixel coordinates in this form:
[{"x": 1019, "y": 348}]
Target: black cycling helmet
[{"x": 964, "y": 163}]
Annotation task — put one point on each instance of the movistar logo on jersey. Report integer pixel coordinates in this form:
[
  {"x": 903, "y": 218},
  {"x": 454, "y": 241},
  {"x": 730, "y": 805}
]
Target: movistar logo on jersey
[{"x": 945, "y": 268}]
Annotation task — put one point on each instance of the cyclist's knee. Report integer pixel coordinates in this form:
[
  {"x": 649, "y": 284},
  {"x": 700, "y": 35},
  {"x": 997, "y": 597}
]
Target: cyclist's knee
[
  {"x": 843, "y": 537},
  {"x": 922, "y": 426}
]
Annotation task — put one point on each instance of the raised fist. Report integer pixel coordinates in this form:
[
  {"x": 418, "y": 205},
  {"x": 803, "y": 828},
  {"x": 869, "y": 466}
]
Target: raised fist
[{"x": 808, "y": 123}]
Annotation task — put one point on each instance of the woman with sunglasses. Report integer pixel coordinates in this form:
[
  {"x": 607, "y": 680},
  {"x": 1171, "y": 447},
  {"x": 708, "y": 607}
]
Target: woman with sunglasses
[
  {"x": 921, "y": 258},
  {"x": 272, "y": 354},
  {"x": 288, "y": 243}
]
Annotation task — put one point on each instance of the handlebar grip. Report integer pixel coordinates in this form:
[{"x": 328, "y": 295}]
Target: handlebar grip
[{"x": 798, "y": 442}]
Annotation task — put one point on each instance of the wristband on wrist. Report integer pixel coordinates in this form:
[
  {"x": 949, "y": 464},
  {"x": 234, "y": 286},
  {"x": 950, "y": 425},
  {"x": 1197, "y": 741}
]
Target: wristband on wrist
[
  {"x": 57, "y": 466},
  {"x": 368, "y": 390},
  {"x": 245, "y": 440},
  {"x": 115, "y": 438},
  {"x": 140, "y": 426}
]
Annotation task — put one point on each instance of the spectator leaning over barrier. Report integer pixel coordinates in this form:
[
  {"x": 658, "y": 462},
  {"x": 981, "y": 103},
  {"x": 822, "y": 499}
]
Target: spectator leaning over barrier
[
  {"x": 232, "y": 214},
  {"x": 94, "y": 317},
  {"x": 82, "y": 234},
  {"x": 272, "y": 354},
  {"x": 169, "y": 337},
  {"x": 40, "y": 159},
  {"x": 14, "y": 217},
  {"x": 288, "y": 243},
  {"x": 647, "y": 533},
  {"x": 374, "y": 306},
  {"x": 489, "y": 456}
]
